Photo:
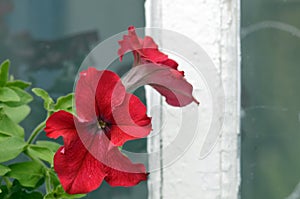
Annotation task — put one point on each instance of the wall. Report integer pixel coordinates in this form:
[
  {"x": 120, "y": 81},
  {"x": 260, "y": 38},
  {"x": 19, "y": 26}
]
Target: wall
[{"x": 214, "y": 25}]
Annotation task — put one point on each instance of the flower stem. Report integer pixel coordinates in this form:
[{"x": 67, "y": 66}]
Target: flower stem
[
  {"x": 48, "y": 182},
  {"x": 36, "y": 132},
  {"x": 8, "y": 182}
]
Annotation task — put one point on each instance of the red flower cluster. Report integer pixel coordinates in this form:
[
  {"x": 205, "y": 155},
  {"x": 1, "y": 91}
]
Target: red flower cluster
[
  {"x": 165, "y": 77},
  {"x": 108, "y": 116},
  {"x": 144, "y": 50}
]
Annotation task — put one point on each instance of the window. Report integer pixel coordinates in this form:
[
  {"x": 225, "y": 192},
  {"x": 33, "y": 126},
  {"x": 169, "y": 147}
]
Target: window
[
  {"x": 47, "y": 41},
  {"x": 270, "y": 127}
]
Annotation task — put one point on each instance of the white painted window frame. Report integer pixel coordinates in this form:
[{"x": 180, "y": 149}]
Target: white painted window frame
[{"x": 198, "y": 19}]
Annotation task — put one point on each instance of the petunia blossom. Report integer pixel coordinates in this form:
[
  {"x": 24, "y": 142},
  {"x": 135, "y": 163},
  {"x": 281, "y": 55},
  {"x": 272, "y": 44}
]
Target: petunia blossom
[
  {"x": 107, "y": 117},
  {"x": 147, "y": 55},
  {"x": 144, "y": 50},
  {"x": 165, "y": 80}
]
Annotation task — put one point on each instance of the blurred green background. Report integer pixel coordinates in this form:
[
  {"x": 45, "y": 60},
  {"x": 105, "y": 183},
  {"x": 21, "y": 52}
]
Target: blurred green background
[
  {"x": 47, "y": 41},
  {"x": 270, "y": 99}
]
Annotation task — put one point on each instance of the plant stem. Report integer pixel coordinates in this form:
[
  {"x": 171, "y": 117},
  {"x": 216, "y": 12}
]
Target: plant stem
[
  {"x": 8, "y": 182},
  {"x": 48, "y": 182},
  {"x": 47, "y": 175},
  {"x": 36, "y": 160},
  {"x": 36, "y": 132}
]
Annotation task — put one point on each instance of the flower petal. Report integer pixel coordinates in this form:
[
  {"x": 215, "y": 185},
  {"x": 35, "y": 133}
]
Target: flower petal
[
  {"x": 101, "y": 148},
  {"x": 97, "y": 91},
  {"x": 110, "y": 93},
  {"x": 119, "y": 170},
  {"x": 153, "y": 55},
  {"x": 167, "y": 81},
  {"x": 171, "y": 63},
  {"x": 130, "y": 121},
  {"x": 126, "y": 173},
  {"x": 150, "y": 51},
  {"x": 130, "y": 42},
  {"x": 146, "y": 47},
  {"x": 77, "y": 169},
  {"x": 125, "y": 179},
  {"x": 62, "y": 124},
  {"x": 88, "y": 155},
  {"x": 148, "y": 42}
]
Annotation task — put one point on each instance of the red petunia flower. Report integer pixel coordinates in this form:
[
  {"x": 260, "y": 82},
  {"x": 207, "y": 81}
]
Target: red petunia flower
[
  {"x": 107, "y": 117},
  {"x": 144, "y": 50},
  {"x": 158, "y": 70}
]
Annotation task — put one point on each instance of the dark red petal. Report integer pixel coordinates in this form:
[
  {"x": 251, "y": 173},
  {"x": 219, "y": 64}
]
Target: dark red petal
[
  {"x": 125, "y": 46},
  {"x": 62, "y": 124},
  {"x": 153, "y": 55},
  {"x": 172, "y": 97},
  {"x": 130, "y": 42},
  {"x": 150, "y": 51},
  {"x": 148, "y": 42},
  {"x": 126, "y": 179},
  {"x": 88, "y": 156},
  {"x": 167, "y": 81},
  {"x": 97, "y": 90},
  {"x": 171, "y": 63},
  {"x": 126, "y": 173},
  {"x": 78, "y": 171},
  {"x": 85, "y": 93},
  {"x": 146, "y": 48},
  {"x": 130, "y": 121},
  {"x": 135, "y": 40},
  {"x": 120, "y": 171},
  {"x": 110, "y": 93},
  {"x": 174, "y": 87}
]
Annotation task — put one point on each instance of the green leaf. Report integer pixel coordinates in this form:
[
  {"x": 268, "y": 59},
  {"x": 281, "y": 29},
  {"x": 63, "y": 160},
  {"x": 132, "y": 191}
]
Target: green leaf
[
  {"x": 4, "y": 68},
  {"x": 26, "y": 195},
  {"x": 53, "y": 178},
  {"x": 8, "y": 95},
  {"x": 17, "y": 114},
  {"x": 11, "y": 147},
  {"x": 64, "y": 102},
  {"x": 18, "y": 83},
  {"x": 41, "y": 152},
  {"x": 25, "y": 97},
  {"x": 8, "y": 126},
  {"x": 3, "y": 192},
  {"x": 19, "y": 192},
  {"x": 52, "y": 146},
  {"x": 59, "y": 193},
  {"x": 48, "y": 101},
  {"x": 3, "y": 170},
  {"x": 27, "y": 173}
]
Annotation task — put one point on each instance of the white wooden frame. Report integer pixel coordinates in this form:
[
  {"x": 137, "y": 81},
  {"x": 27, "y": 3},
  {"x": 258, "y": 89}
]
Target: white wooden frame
[{"x": 214, "y": 25}]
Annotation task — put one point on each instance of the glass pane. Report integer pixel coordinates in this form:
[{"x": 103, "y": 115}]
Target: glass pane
[
  {"x": 270, "y": 99},
  {"x": 46, "y": 42}
]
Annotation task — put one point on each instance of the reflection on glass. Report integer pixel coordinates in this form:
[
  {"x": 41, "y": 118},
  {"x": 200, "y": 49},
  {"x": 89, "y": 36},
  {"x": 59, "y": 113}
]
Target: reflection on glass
[
  {"x": 270, "y": 99},
  {"x": 46, "y": 42}
]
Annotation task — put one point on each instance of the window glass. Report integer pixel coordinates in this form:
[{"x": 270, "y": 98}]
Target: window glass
[
  {"x": 270, "y": 118},
  {"x": 47, "y": 41}
]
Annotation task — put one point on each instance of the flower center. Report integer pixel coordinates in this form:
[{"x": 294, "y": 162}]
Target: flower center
[{"x": 102, "y": 124}]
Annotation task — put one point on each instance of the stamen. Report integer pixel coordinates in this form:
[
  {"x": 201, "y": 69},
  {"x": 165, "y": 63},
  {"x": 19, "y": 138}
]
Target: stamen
[{"x": 102, "y": 124}]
